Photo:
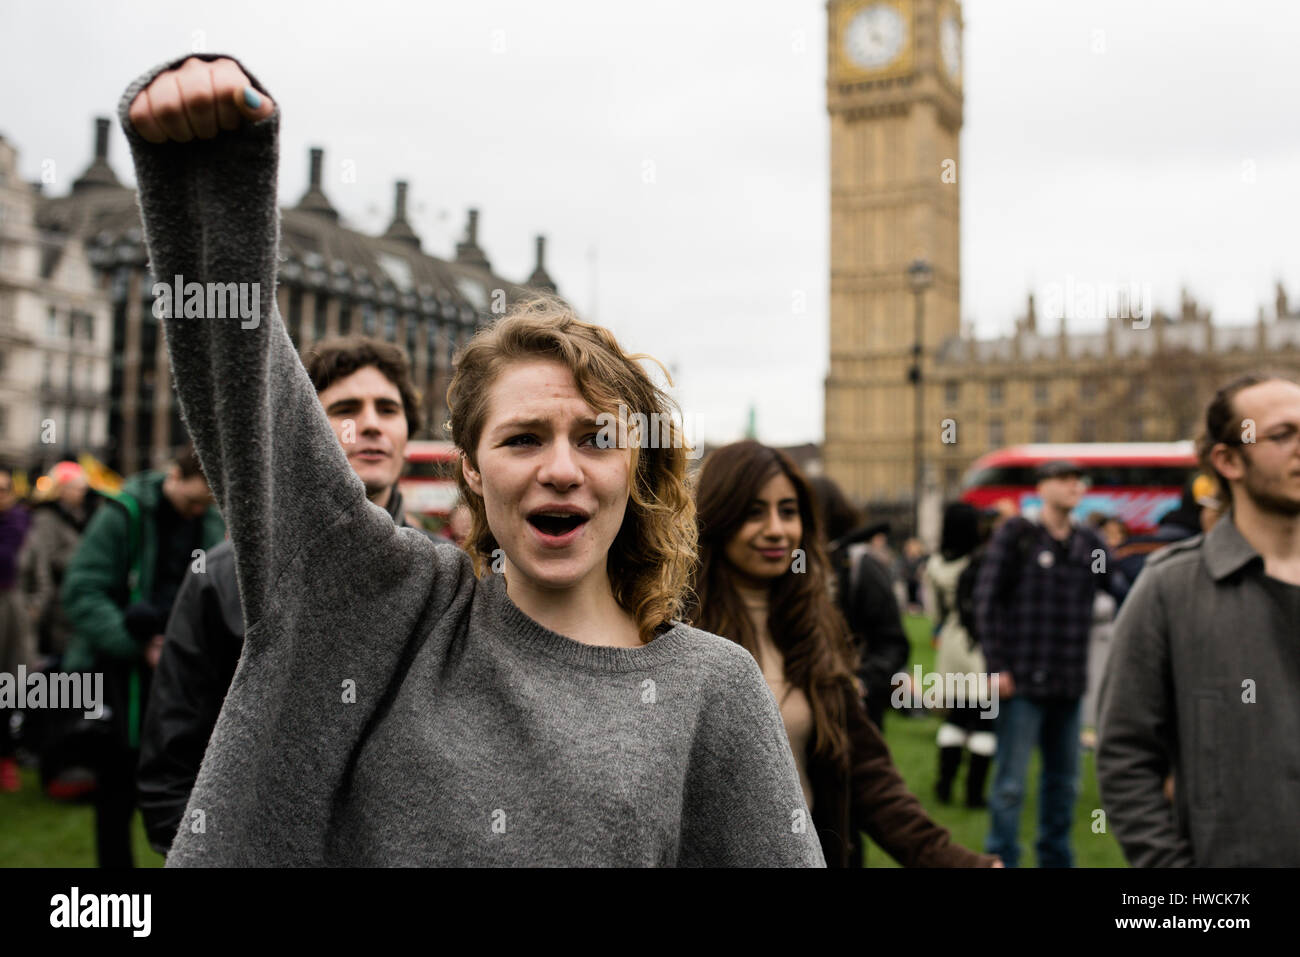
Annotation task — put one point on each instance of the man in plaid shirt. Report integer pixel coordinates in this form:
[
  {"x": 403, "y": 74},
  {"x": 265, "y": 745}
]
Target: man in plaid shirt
[{"x": 1033, "y": 608}]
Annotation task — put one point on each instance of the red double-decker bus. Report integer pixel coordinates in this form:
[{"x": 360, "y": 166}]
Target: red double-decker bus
[
  {"x": 1137, "y": 482},
  {"x": 428, "y": 483}
]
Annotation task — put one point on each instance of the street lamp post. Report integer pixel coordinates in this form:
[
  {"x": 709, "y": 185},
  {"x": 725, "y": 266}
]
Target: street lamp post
[{"x": 920, "y": 277}]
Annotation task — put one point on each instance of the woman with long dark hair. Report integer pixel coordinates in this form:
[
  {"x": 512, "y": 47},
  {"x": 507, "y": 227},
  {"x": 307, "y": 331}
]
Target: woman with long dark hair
[
  {"x": 533, "y": 699},
  {"x": 763, "y": 581}
]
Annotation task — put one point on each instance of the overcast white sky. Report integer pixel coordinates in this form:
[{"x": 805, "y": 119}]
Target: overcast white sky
[{"x": 675, "y": 153}]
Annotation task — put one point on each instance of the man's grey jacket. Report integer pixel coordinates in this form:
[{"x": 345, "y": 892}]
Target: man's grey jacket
[{"x": 1203, "y": 682}]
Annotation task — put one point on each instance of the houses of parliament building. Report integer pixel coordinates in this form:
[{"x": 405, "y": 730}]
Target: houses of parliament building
[
  {"x": 894, "y": 94},
  {"x": 83, "y": 360}
]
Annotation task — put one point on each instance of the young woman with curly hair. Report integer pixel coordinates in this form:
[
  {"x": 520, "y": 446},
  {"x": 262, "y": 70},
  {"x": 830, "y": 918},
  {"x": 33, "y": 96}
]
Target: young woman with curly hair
[
  {"x": 534, "y": 700},
  {"x": 764, "y": 582}
]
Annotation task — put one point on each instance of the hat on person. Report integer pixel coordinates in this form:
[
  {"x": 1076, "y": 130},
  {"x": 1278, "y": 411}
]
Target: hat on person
[
  {"x": 1205, "y": 493},
  {"x": 1056, "y": 468},
  {"x": 66, "y": 472}
]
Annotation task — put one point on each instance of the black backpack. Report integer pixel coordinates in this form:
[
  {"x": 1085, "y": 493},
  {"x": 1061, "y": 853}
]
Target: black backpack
[{"x": 970, "y": 575}]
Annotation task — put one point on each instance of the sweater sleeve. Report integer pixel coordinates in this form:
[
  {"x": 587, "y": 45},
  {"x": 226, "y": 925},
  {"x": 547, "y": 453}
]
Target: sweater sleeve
[
  {"x": 1136, "y": 733},
  {"x": 990, "y": 587},
  {"x": 211, "y": 225},
  {"x": 94, "y": 587},
  {"x": 35, "y": 576},
  {"x": 888, "y": 811},
  {"x": 191, "y": 681},
  {"x": 743, "y": 805}
]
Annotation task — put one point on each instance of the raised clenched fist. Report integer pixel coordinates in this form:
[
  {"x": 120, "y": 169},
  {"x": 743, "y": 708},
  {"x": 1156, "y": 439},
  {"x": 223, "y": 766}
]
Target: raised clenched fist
[{"x": 198, "y": 99}]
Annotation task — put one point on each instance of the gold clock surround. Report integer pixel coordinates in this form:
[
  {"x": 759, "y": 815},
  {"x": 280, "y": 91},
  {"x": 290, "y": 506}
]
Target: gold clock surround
[{"x": 846, "y": 71}]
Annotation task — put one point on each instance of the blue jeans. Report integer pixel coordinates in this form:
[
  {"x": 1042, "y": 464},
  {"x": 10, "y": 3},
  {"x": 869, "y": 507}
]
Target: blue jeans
[{"x": 1053, "y": 725}]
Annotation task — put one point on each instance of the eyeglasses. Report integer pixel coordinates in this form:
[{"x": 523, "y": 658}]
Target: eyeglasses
[{"x": 1285, "y": 439}]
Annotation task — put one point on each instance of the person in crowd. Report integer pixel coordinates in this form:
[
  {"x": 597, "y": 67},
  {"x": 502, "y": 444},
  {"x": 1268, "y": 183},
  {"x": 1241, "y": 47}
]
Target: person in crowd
[
  {"x": 364, "y": 384},
  {"x": 1201, "y": 683},
  {"x": 57, "y": 526},
  {"x": 15, "y": 628},
  {"x": 877, "y": 538},
  {"x": 1033, "y": 611},
  {"x": 1205, "y": 494},
  {"x": 1004, "y": 509},
  {"x": 1104, "y": 609},
  {"x": 1113, "y": 532},
  {"x": 912, "y": 565},
  {"x": 1175, "y": 525},
  {"x": 458, "y": 524},
  {"x": 117, "y": 592},
  {"x": 763, "y": 581},
  {"x": 531, "y": 699},
  {"x": 865, "y": 597},
  {"x": 949, "y": 579}
]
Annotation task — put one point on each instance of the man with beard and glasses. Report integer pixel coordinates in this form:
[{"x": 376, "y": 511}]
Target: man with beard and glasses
[{"x": 1202, "y": 678}]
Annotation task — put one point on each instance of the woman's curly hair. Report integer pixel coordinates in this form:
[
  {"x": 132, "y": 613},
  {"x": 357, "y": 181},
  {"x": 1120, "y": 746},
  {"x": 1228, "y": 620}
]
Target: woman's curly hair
[{"x": 651, "y": 559}]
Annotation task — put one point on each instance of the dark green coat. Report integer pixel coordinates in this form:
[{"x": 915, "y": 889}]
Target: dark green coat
[{"x": 107, "y": 570}]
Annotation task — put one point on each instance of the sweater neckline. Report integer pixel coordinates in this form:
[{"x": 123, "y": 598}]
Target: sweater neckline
[{"x": 521, "y": 631}]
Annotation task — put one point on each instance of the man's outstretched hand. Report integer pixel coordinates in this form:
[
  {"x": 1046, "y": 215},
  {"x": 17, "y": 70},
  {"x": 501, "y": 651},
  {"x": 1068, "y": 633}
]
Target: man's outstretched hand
[{"x": 197, "y": 100}]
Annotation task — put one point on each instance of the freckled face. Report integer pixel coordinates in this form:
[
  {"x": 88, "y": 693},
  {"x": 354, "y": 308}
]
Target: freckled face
[
  {"x": 539, "y": 452},
  {"x": 761, "y": 549}
]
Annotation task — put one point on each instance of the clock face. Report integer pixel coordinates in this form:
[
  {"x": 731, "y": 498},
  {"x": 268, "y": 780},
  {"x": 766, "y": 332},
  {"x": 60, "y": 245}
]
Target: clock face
[
  {"x": 950, "y": 45},
  {"x": 875, "y": 36}
]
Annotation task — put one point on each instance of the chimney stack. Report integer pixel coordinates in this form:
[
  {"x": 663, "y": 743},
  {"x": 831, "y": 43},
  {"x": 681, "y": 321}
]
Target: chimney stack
[
  {"x": 469, "y": 252},
  {"x": 315, "y": 200},
  {"x": 98, "y": 173},
  {"x": 540, "y": 279},
  {"x": 399, "y": 229},
  {"x": 101, "y": 138}
]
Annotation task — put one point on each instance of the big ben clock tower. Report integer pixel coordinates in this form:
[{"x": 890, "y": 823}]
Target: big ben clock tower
[{"x": 893, "y": 90}]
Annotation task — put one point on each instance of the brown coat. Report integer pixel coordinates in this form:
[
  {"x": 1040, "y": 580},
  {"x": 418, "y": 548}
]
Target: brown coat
[{"x": 870, "y": 795}]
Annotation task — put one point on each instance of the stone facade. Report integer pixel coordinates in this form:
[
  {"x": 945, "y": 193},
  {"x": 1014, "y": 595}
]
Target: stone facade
[
  {"x": 332, "y": 280},
  {"x": 54, "y": 325}
]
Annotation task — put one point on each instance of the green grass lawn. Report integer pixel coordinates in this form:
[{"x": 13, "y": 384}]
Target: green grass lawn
[
  {"x": 912, "y": 743},
  {"x": 38, "y": 832}
]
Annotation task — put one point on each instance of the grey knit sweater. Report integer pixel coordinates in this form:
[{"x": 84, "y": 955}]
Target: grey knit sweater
[{"x": 390, "y": 708}]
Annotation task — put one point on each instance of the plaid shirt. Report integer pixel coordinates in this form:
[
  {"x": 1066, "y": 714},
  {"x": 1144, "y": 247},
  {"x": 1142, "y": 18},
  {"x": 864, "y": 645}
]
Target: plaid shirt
[{"x": 1033, "y": 605}]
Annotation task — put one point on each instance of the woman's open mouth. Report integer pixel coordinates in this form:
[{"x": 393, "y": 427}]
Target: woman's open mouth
[{"x": 556, "y": 530}]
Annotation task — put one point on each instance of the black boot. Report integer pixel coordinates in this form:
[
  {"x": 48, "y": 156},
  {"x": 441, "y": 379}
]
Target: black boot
[
  {"x": 975, "y": 777},
  {"x": 949, "y": 762}
]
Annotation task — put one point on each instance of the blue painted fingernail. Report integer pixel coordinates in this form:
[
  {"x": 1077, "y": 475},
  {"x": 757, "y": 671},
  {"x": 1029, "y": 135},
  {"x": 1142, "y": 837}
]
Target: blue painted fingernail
[{"x": 251, "y": 98}]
